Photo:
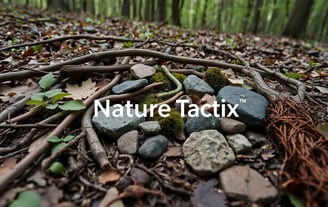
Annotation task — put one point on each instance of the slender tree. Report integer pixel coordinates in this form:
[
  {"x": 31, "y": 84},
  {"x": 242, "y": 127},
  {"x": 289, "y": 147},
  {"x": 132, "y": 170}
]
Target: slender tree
[
  {"x": 161, "y": 10},
  {"x": 257, "y": 15},
  {"x": 176, "y": 12},
  {"x": 297, "y": 20},
  {"x": 203, "y": 18},
  {"x": 126, "y": 8}
]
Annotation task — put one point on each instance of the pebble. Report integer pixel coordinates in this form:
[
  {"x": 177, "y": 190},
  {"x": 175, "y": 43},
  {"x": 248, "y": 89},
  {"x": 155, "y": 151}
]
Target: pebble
[
  {"x": 150, "y": 128},
  {"x": 240, "y": 182},
  {"x": 255, "y": 138},
  {"x": 239, "y": 143},
  {"x": 197, "y": 86},
  {"x": 129, "y": 85},
  {"x": 128, "y": 143},
  {"x": 153, "y": 147},
  {"x": 231, "y": 126},
  {"x": 114, "y": 127},
  {"x": 207, "y": 152},
  {"x": 251, "y": 108},
  {"x": 140, "y": 71},
  {"x": 199, "y": 123}
]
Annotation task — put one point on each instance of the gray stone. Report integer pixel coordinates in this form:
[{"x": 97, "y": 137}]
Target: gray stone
[
  {"x": 231, "y": 126},
  {"x": 199, "y": 123},
  {"x": 255, "y": 138},
  {"x": 207, "y": 152},
  {"x": 115, "y": 126},
  {"x": 142, "y": 71},
  {"x": 242, "y": 182},
  {"x": 128, "y": 142},
  {"x": 153, "y": 147},
  {"x": 150, "y": 128},
  {"x": 239, "y": 143},
  {"x": 251, "y": 106},
  {"x": 129, "y": 85},
  {"x": 197, "y": 86}
]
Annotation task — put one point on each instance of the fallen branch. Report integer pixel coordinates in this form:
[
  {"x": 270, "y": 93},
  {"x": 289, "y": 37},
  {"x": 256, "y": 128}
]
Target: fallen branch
[
  {"x": 174, "y": 80},
  {"x": 119, "y": 53}
]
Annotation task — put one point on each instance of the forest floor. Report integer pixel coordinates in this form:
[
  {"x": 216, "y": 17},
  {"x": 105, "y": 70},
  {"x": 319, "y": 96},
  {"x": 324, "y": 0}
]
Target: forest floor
[{"x": 36, "y": 43}]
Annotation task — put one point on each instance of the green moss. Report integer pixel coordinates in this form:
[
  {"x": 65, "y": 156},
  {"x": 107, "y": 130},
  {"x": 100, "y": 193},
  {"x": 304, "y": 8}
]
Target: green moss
[
  {"x": 149, "y": 99},
  {"x": 161, "y": 77},
  {"x": 215, "y": 78},
  {"x": 170, "y": 125},
  {"x": 181, "y": 77}
]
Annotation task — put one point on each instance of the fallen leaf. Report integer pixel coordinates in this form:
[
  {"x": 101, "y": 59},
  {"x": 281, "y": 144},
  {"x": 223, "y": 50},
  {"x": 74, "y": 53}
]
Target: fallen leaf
[
  {"x": 108, "y": 176},
  {"x": 10, "y": 93},
  {"x": 7, "y": 165},
  {"x": 111, "y": 194},
  {"x": 86, "y": 89},
  {"x": 205, "y": 195},
  {"x": 322, "y": 89},
  {"x": 28, "y": 52},
  {"x": 236, "y": 81},
  {"x": 50, "y": 195}
]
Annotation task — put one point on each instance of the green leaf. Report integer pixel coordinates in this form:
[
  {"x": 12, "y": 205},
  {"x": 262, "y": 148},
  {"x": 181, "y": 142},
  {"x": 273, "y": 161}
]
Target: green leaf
[
  {"x": 37, "y": 48},
  {"x": 57, "y": 168},
  {"x": 52, "y": 106},
  {"x": 38, "y": 97},
  {"x": 54, "y": 139},
  {"x": 46, "y": 81},
  {"x": 52, "y": 93},
  {"x": 295, "y": 200},
  {"x": 27, "y": 198},
  {"x": 128, "y": 44},
  {"x": 57, "y": 147},
  {"x": 74, "y": 105},
  {"x": 293, "y": 75},
  {"x": 68, "y": 138},
  {"x": 34, "y": 102},
  {"x": 59, "y": 96}
]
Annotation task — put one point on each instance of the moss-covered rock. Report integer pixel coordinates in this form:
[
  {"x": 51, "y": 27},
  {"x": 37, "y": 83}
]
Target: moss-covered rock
[
  {"x": 170, "y": 125},
  {"x": 149, "y": 99},
  {"x": 215, "y": 78}
]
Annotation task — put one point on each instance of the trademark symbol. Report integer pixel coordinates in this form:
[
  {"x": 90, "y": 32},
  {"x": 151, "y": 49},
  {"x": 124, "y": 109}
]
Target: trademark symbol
[{"x": 242, "y": 99}]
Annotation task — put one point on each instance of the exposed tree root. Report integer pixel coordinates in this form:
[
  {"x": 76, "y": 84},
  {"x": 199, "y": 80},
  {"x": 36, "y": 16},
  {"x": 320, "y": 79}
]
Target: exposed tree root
[{"x": 305, "y": 166}]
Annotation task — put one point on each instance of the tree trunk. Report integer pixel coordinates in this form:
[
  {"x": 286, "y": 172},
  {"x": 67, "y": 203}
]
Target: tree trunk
[
  {"x": 147, "y": 10},
  {"x": 140, "y": 10},
  {"x": 57, "y": 5},
  {"x": 126, "y": 8},
  {"x": 161, "y": 10},
  {"x": 203, "y": 19},
  {"x": 297, "y": 20},
  {"x": 257, "y": 15},
  {"x": 247, "y": 16},
  {"x": 134, "y": 9},
  {"x": 176, "y": 12}
]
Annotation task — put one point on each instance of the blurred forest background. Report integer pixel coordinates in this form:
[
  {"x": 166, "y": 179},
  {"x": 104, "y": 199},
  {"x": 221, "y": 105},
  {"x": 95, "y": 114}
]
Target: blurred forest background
[{"x": 306, "y": 19}]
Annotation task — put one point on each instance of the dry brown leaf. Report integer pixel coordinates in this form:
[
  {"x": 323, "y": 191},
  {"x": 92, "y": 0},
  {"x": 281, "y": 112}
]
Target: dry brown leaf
[
  {"x": 7, "y": 165},
  {"x": 86, "y": 89},
  {"x": 111, "y": 194},
  {"x": 236, "y": 81},
  {"x": 10, "y": 93},
  {"x": 109, "y": 176}
]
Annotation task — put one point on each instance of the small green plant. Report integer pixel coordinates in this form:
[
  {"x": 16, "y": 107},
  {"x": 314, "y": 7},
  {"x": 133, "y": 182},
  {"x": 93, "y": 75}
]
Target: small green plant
[
  {"x": 170, "y": 125},
  {"x": 59, "y": 143},
  {"x": 57, "y": 168},
  {"x": 312, "y": 63},
  {"x": 52, "y": 99},
  {"x": 26, "y": 198}
]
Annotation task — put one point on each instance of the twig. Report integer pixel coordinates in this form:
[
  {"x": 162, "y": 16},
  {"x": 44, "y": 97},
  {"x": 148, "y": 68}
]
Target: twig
[
  {"x": 94, "y": 186},
  {"x": 21, "y": 167},
  {"x": 174, "y": 80},
  {"x": 17, "y": 126},
  {"x": 119, "y": 53},
  {"x": 188, "y": 72},
  {"x": 165, "y": 185},
  {"x": 76, "y": 70}
]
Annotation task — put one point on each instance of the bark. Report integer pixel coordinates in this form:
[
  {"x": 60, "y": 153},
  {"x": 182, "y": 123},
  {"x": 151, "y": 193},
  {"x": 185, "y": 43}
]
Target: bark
[
  {"x": 161, "y": 10},
  {"x": 257, "y": 16},
  {"x": 147, "y": 10},
  {"x": 176, "y": 12},
  {"x": 126, "y": 8},
  {"x": 297, "y": 20},
  {"x": 203, "y": 19},
  {"x": 134, "y": 9}
]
